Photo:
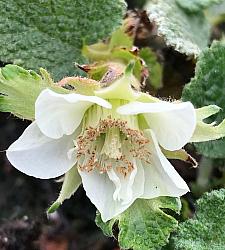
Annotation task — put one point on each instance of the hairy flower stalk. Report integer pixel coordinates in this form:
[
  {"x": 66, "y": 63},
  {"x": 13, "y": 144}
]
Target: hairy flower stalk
[{"x": 114, "y": 141}]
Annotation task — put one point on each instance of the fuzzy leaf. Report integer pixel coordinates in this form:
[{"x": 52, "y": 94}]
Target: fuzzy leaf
[
  {"x": 196, "y": 5},
  {"x": 206, "y": 230},
  {"x": 187, "y": 33},
  {"x": 144, "y": 226},
  {"x": 19, "y": 89},
  {"x": 50, "y": 34},
  {"x": 206, "y": 88}
]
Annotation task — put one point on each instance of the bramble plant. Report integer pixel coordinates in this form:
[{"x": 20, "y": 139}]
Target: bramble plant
[{"x": 97, "y": 125}]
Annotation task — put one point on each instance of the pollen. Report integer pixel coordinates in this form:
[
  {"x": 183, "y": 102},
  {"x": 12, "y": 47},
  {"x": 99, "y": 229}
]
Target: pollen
[{"x": 111, "y": 144}]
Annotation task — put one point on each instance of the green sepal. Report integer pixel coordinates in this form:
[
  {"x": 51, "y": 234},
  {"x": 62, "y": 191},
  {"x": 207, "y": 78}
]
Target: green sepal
[
  {"x": 72, "y": 181},
  {"x": 20, "y": 88},
  {"x": 80, "y": 85},
  {"x": 180, "y": 155},
  {"x": 145, "y": 97},
  {"x": 121, "y": 88},
  {"x": 53, "y": 207},
  {"x": 205, "y": 131},
  {"x": 143, "y": 226}
]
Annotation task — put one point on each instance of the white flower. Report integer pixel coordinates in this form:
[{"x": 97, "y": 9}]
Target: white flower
[{"x": 115, "y": 146}]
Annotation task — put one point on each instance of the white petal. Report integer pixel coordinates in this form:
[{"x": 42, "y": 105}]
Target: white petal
[
  {"x": 42, "y": 157},
  {"x": 161, "y": 179},
  {"x": 173, "y": 123},
  {"x": 130, "y": 187},
  {"x": 100, "y": 190},
  {"x": 60, "y": 114}
]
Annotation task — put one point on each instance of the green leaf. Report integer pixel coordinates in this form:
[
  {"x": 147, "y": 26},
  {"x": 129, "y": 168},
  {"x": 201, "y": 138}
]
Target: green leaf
[
  {"x": 19, "y": 89},
  {"x": 71, "y": 183},
  {"x": 154, "y": 67},
  {"x": 187, "y": 33},
  {"x": 196, "y": 5},
  {"x": 144, "y": 226},
  {"x": 206, "y": 88},
  {"x": 50, "y": 34},
  {"x": 216, "y": 13},
  {"x": 206, "y": 230}
]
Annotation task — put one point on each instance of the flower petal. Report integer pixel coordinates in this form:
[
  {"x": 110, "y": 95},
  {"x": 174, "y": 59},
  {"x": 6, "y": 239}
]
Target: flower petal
[
  {"x": 129, "y": 187},
  {"x": 60, "y": 114},
  {"x": 173, "y": 123},
  {"x": 161, "y": 179},
  {"x": 101, "y": 191},
  {"x": 42, "y": 157}
]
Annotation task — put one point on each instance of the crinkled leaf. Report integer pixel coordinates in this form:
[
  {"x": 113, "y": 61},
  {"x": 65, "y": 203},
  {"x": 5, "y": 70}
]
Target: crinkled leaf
[
  {"x": 154, "y": 67},
  {"x": 196, "y": 5},
  {"x": 207, "y": 87},
  {"x": 19, "y": 89},
  {"x": 143, "y": 226},
  {"x": 206, "y": 230},
  {"x": 187, "y": 33},
  {"x": 50, "y": 34}
]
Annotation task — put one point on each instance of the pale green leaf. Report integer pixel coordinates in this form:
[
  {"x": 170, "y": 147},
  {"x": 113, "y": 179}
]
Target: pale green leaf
[
  {"x": 196, "y": 5},
  {"x": 19, "y": 89},
  {"x": 50, "y": 34},
  {"x": 207, "y": 88},
  {"x": 144, "y": 226},
  {"x": 187, "y": 33},
  {"x": 206, "y": 230}
]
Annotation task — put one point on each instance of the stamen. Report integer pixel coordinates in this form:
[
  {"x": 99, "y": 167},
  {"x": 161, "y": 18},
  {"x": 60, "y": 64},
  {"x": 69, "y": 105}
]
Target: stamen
[{"x": 111, "y": 144}]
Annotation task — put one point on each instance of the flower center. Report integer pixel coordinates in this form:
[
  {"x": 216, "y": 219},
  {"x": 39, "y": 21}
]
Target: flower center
[{"x": 109, "y": 140}]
